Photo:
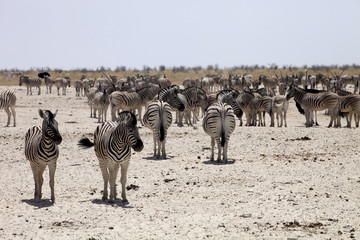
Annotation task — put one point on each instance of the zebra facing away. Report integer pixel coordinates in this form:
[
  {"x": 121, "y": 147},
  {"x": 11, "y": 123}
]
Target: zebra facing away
[
  {"x": 219, "y": 123},
  {"x": 158, "y": 118},
  {"x": 41, "y": 149},
  {"x": 8, "y": 101},
  {"x": 112, "y": 144}
]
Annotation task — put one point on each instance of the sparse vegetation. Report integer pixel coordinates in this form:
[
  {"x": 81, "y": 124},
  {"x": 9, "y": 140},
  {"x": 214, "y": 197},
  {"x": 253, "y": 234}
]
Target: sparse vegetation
[{"x": 10, "y": 77}]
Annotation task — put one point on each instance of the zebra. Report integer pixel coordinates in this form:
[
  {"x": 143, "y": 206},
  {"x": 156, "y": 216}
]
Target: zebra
[
  {"x": 158, "y": 118},
  {"x": 78, "y": 84},
  {"x": 280, "y": 107},
  {"x": 30, "y": 82},
  {"x": 131, "y": 100},
  {"x": 101, "y": 103},
  {"x": 8, "y": 101},
  {"x": 47, "y": 80},
  {"x": 170, "y": 95},
  {"x": 62, "y": 83},
  {"x": 219, "y": 123},
  {"x": 229, "y": 96},
  {"x": 193, "y": 98},
  {"x": 41, "y": 149},
  {"x": 350, "y": 104},
  {"x": 315, "y": 102},
  {"x": 112, "y": 144},
  {"x": 260, "y": 105}
]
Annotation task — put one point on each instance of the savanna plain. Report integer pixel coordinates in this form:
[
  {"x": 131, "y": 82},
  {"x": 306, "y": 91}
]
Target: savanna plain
[{"x": 279, "y": 183}]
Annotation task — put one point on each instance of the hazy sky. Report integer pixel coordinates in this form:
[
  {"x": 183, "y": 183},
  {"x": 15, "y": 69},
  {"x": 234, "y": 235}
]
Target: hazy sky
[{"x": 70, "y": 34}]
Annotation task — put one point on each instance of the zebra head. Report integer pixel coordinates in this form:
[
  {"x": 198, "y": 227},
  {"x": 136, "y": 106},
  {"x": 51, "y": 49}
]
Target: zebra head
[
  {"x": 23, "y": 79},
  {"x": 127, "y": 120},
  {"x": 50, "y": 126},
  {"x": 290, "y": 92},
  {"x": 170, "y": 95}
]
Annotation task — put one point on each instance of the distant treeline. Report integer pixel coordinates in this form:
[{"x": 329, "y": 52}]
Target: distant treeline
[
  {"x": 215, "y": 67},
  {"x": 178, "y": 73}
]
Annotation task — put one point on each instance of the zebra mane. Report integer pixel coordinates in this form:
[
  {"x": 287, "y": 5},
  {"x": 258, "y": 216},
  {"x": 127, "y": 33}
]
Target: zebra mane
[
  {"x": 124, "y": 114},
  {"x": 300, "y": 109}
]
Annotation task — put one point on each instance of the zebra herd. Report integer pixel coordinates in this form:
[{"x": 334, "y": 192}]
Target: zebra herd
[{"x": 114, "y": 139}]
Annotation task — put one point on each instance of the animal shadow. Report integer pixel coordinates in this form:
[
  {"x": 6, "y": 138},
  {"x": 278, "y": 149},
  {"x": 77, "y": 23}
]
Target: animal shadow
[
  {"x": 118, "y": 203},
  {"x": 229, "y": 161},
  {"x": 43, "y": 203},
  {"x": 158, "y": 159}
]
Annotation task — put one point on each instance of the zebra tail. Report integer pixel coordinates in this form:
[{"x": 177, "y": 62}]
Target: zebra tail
[
  {"x": 223, "y": 139},
  {"x": 85, "y": 143},
  {"x": 162, "y": 132}
]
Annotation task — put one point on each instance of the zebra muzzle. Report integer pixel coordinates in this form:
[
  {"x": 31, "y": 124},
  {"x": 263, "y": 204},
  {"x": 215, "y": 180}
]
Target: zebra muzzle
[
  {"x": 58, "y": 140},
  {"x": 138, "y": 146}
]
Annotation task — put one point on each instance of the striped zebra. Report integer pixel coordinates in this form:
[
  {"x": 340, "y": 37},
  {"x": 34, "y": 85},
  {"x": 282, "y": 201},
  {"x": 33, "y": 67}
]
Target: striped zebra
[
  {"x": 41, "y": 149},
  {"x": 7, "y": 102},
  {"x": 78, "y": 84},
  {"x": 219, "y": 123},
  {"x": 193, "y": 99},
  {"x": 62, "y": 83},
  {"x": 49, "y": 82},
  {"x": 229, "y": 96},
  {"x": 112, "y": 144},
  {"x": 30, "y": 82},
  {"x": 132, "y": 100},
  {"x": 261, "y": 105},
  {"x": 170, "y": 95},
  {"x": 280, "y": 107},
  {"x": 101, "y": 103},
  {"x": 315, "y": 102},
  {"x": 158, "y": 118},
  {"x": 350, "y": 104}
]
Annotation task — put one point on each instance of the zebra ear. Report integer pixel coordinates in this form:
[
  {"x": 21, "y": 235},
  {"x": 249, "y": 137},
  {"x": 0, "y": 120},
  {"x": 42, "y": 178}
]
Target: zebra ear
[
  {"x": 54, "y": 114},
  {"x": 41, "y": 113}
]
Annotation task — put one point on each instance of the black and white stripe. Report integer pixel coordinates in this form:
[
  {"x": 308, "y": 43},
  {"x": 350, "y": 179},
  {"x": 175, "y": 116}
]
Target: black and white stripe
[
  {"x": 112, "y": 144},
  {"x": 219, "y": 123},
  {"x": 41, "y": 149},
  {"x": 158, "y": 118},
  {"x": 7, "y": 102},
  {"x": 30, "y": 82},
  {"x": 315, "y": 102}
]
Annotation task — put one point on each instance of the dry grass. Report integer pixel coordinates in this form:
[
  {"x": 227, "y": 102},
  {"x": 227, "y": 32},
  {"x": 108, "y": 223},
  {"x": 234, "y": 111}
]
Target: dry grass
[{"x": 8, "y": 78}]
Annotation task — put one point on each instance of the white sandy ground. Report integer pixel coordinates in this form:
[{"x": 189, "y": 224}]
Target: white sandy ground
[{"x": 277, "y": 185}]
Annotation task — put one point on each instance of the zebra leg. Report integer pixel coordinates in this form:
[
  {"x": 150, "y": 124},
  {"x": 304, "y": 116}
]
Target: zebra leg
[
  {"x": 12, "y": 108},
  {"x": 350, "y": 119},
  {"x": 272, "y": 121},
  {"x": 52, "y": 168},
  {"x": 308, "y": 122},
  {"x": 113, "y": 172},
  {"x": 285, "y": 118},
  {"x": 7, "y": 110},
  {"x": 163, "y": 149},
  {"x": 124, "y": 169},
  {"x": 225, "y": 159},
  {"x": 105, "y": 174},
  {"x": 113, "y": 112},
  {"x": 155, "y": 142},
  {"x": 219, "y": 151},
  {"x": 212, "y": 149},
  {"x": 39, "y": 90},
  {"x": 38, "y": 171}
]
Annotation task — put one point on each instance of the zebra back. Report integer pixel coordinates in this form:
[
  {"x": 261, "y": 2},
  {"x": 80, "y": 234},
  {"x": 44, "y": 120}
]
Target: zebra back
[
  {"x": 219, "y": 122},
  {"x": 7, "y": 99},
  {"x": 158, "y": 118}
]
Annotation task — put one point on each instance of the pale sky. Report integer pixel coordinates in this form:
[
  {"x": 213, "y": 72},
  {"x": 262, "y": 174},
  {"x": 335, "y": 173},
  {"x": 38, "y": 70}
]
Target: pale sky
[{"x": 71, "y": 34}]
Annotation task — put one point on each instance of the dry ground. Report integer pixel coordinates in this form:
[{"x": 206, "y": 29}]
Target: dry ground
[{"x": 281, "y": 183}]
